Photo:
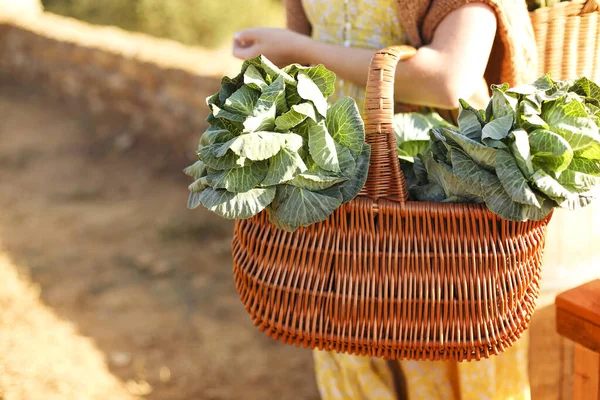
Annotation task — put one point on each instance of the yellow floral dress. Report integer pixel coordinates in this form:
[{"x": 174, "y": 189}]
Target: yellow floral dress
[{"x": 374, "y": 24}]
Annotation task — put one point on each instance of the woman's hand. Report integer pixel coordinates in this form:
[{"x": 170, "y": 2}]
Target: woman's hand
[{"x": 281, "y": 46}]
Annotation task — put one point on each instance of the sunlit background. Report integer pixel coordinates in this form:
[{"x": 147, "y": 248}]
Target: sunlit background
[{"x": 109, "y": 287}]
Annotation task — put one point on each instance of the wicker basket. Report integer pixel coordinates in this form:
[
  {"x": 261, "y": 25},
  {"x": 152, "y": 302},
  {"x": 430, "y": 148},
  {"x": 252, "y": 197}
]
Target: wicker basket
[
  {"x": 568, "y": 39},
  {"x": 387, "y": 277}
]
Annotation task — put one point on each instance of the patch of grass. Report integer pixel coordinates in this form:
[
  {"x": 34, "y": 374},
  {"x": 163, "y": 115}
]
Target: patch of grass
[{"x": 208, "y": 23}]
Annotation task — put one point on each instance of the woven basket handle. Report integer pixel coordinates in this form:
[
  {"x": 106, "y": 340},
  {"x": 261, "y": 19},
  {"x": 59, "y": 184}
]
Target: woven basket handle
[
  {"x": 589, "y": 6},
  {"x": 385, "y": 177}
]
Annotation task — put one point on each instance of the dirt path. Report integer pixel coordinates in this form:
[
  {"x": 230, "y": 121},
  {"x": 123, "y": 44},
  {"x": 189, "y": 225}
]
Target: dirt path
[{"x": 109, "y": 287}]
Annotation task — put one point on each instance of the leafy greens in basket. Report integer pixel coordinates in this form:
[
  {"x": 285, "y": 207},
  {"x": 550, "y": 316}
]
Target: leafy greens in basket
[
  {"x": 534, "y": 148},
  {"x": 275, "y": 144}
]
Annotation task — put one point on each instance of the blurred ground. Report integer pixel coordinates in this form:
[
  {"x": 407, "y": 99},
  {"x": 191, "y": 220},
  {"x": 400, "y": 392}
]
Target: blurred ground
[{"x": 109, "y": 287}]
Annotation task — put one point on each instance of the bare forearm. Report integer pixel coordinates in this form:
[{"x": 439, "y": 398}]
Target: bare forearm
[
  {"x": 419, "y": 80},
  {"x": 449, "y": 68}
]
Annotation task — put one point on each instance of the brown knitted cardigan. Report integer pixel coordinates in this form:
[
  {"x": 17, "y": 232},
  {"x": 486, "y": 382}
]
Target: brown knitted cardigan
[{"x": 513, "y": 58}]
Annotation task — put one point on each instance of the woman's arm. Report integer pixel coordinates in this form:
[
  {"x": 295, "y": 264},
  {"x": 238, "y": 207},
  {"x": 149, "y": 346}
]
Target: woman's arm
[{"x": 449, "y": 68}]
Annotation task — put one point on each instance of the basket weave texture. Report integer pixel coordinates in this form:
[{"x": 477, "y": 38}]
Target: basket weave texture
[
  {"x": 568, "y": 39},
  {"x": 387, "y": 277}
]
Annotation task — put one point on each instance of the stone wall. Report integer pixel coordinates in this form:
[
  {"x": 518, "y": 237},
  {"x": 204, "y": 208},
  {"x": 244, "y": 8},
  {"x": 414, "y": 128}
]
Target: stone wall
[{"x": 149, "y": 86}]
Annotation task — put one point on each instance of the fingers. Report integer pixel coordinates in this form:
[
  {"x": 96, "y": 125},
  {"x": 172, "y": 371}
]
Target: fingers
[
  {"x": 246, "y": 37},
  {"x": 244, "y": 43},
  {"x": 245, "y": 53}
]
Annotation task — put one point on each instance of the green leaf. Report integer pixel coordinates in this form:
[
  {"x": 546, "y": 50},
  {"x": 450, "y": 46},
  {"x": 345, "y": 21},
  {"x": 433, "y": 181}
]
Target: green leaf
[
  {"x": 261, "y": 120},
  {"x": 228, "y": 120},
  {"x": 322, "y": 147},
  {"x": 215, "y": 135},
  {"x": 196, "y": 170},
  {"x": 346, "y": 126},
  {"x": 291, "y": 95},
  {"x": 502, "y": 104},
  {"x": 224, "y": 114},
  {"x": 591, "y": 152},
  {"x": 579, "y": 181},
  {"x": 350, "y": 188},
  {"x": 198, "y": 185},
  {"x": 295, "y": 116},
  {"x": 226, "y": 160},
  {"x": 308, "y": 90},
  {"x": 586, "y": 88},
  {"x": 470, "y": 122},
  {"x": 453, "y": 185},
  {"x": 270, "y": 70},
  {"x": 412, "y": 132},
  {"x": 498, "y": 201},
  {"x": 550, "y": 150},
  {"x": 498, "y": 129},
  {"x": 254, "y": 79},
  {"x": 482, "y": 155},
  {"x": 488, "y": 188},
  {"x": 315, "y": 182},
  {"x": 591, "y": 167},
  {"x": 346, "y": 160},
  {"x": 407, "y": 151},
  {"x": 242, "y": 101},
  {"x": 513, "y": 181},
  {"x": 228, "y": 87},
  {"x": 550, "y": 187},
  {"x": 321, "y": 76},
  {"x": 256, "y": 146},
  {"x": 238, "y": 180},
  {"x": 283, "y": 167},
  {"x": 270, "y": 104},
  {"x": 278, "y": 223},
  {"x": 431, "y": 192},
  {"x": 565, "y": 196},
  {"x": 295, "y": 206},
  {"x": 231, "y": 205},
  {"x": 569, "y": 119},
  {"x": 274, "y": 94},
  {"x": 521, "y": 151}
]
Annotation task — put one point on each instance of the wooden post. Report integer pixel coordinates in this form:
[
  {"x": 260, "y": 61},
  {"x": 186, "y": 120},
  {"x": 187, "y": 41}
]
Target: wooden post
[{"x": 578, "y": 319}]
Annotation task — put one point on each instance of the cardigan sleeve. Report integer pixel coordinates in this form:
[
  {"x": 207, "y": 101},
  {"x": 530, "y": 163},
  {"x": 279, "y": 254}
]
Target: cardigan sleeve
[
  {"x": 514, "y": 54},
  {"x": 296, "y": 17}
]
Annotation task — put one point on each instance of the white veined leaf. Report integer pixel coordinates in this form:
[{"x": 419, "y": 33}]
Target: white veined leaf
[
  {"x": 498, "y": 129},
  {"x": 315, "y": 182},
  {"x": 346, "y": 126},
  {"x": 283, "y": 167},
  {"x": 322, "y": 148},
  {"x": 242, "y": 101},
  {"x": 238, "y": 180},
  {"x": 321, "y": 76},
  {"x": 513, "y": 181},
  {"x": 295, "y": 116},
  {"x": 470, "y": 122},
  {"x": 256, "y": 146},
  {"x": 254, "y": 79},
  {"x": 482, "y": 155},
  {"x": 569, "y": 119},
  {"x": 551, "y": 151},
  {"x": 522, "y": 152},
  {"x": 233, "y": 205},
  {"x": 308, "y": 90},
  {"x": 196, "y": 170},
  {"x": 295, "y": 206},
  {"x": 226, "y": 160}
]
